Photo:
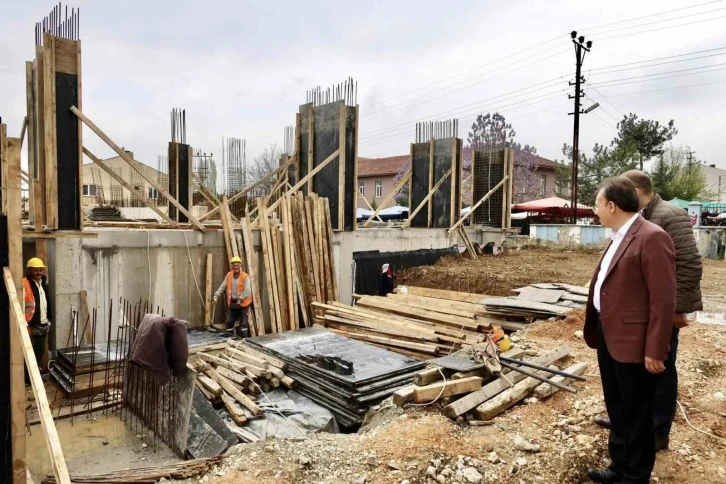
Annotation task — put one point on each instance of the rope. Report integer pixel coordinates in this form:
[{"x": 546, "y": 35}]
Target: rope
[
  {"x": 683, "y": 411},
  {"x": 443, "y": 387},
  {"x": 274, "y": 407},
  {"x": 194, "y": 275}
]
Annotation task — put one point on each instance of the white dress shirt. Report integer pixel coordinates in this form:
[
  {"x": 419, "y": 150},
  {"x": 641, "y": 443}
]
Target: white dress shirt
[
  {"x": 42, "y": 304},
  {"x": 617, "y": 238}
]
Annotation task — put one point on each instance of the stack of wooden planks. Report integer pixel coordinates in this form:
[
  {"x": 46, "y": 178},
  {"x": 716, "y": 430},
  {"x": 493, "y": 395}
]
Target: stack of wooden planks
[
  {"x": 236, "y": 375},
  {"x": 295, "y": 264},
  {"x": 480, "y": 395}
]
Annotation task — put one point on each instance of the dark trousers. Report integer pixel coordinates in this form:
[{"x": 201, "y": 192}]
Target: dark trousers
[
  {"x": 629, "y": 393},
  {"x": 666, "y": 392},
  {"x": 38, "y": 343},
  {"x": 240, "y": 315}
]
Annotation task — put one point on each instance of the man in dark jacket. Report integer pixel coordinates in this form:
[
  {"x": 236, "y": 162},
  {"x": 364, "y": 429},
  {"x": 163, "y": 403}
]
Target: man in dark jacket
[{"x": 676, "y": 222}]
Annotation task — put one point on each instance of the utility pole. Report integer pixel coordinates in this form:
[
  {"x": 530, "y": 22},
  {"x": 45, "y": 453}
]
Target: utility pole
[
  {"x": 580, "y": 50},
  {"x": 689, "y": 157}
]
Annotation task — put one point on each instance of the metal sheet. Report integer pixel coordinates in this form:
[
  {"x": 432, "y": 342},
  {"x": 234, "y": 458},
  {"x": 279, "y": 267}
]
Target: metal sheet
[{"x": 455, "y": 363}]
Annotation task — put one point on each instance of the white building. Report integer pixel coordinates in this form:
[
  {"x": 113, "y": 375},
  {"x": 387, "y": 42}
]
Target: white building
[{"x": 716, "y": 180}]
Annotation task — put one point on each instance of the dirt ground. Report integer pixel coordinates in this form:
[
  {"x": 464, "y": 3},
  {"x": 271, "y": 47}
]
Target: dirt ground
[{"x": 419, "y": 445}]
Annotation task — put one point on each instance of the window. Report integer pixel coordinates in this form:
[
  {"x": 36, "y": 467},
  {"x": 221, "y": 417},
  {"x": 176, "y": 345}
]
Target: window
[
  {"x": 379, "y": 189},
  {"x": 361, "y": 189},
  {"x": 89, "y": 190},
  {"x": 543, "y": 185},
  {"x": 153, "y": 193}
]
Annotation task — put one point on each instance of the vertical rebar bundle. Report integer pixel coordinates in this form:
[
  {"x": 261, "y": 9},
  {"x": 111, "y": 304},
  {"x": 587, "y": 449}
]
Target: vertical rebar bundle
[
  {"x": 179, "y": 126},
  {"x": 426, "y": 131},
  {"x": 346, "y": 91},
  {"x": 59, "y": 24},
  {"x": 202, "y": 167},
  {"x": 236, "y": 159}
]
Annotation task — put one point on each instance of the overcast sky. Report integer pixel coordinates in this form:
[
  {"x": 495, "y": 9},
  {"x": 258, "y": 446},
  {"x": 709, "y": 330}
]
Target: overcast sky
[{"x": 241, "y": 69}]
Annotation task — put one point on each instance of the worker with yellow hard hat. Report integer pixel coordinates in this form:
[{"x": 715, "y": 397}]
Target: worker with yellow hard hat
[
  {"x": 236, "y": 285},
  {"x": 38, "y": 311}
]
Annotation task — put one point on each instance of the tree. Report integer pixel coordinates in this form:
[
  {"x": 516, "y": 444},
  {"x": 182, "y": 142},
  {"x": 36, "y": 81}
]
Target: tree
[
  {"x": 643, "y": 137},
  {"x": 673, "y": 177},
  {"x": 262, "y": 165},
  {"x": 593, "y": 170}
]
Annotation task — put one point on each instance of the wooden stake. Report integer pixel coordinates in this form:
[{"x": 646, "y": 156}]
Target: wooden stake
[
  {"x": 234, "y": 411},
  {"x": 208, "y": 293},
  {"x": 426, "y": 200},
  {"x": 333, "y": 272},
  {"x": 133, "y": 164},
  {"x": 288, "y": 258},
  {"x": 266, "y": 257},
  {"x": 50, "y": 433},
  {"x": 252, "y": 266},
  {"x": 49, "y": 115}
]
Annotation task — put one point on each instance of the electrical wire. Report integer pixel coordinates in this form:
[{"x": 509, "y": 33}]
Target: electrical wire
[
  {"x": 665, "y": 89},
  {"x": 606, "y": 99},
  {"x": 683, "y": 411},
  {"x": 652, "y": 15},
  {"x": 617, "y": 82},
  {"x": 443, "y": 387},
  {"x": 655, "y": 30},
  {"x": 650, "y": 65},
  {"x": 661, "y": 21}
]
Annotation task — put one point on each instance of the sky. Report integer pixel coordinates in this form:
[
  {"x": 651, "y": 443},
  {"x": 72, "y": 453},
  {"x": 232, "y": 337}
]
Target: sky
[{"x": 241, "y": 69}]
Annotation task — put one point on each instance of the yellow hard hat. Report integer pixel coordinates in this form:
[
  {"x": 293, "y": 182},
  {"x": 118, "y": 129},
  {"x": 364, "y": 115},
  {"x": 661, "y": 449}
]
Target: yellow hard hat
[
  {"x": 35, "y": 263},
  {"x": 235, "y": 259}
]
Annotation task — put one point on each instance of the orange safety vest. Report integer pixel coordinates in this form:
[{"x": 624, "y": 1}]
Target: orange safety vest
[
  {"x": 240, "y": 287},
  {"x": 29, "y": 298}
]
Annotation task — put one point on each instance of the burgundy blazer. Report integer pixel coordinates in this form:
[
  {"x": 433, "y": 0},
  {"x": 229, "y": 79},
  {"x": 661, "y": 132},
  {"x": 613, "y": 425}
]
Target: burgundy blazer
[{"x": 638, "y": 296}]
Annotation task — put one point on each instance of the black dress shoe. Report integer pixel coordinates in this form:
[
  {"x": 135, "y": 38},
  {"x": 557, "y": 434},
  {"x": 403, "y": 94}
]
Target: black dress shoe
[
  {"x": 604, "y": 476},
  {"x": 661, "y": 443},
  {"x": 604, "y": 422}
]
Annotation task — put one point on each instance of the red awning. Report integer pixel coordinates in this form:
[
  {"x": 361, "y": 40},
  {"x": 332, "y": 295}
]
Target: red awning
[{"x": 553, "y": 205}]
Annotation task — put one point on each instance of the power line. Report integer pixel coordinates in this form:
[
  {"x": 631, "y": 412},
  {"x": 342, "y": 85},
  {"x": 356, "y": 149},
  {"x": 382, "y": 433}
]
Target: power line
[
  {"x": 661, "y": 21},
  {"x": 653, "y": 65},
  {"x": 606, "y": 99},
  {"x": 679, "y": 72},
  {"x": 650, "y": 15},
  {"x": 661, "y": 58},
  {"x": 665, "y": 89},
  {"x": 661, "y": 28}
]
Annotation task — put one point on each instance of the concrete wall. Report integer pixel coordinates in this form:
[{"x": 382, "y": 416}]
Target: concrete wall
[
  {"x": 711, "y": 240},
  {"x": 137, "y": 265},
  {"x": 345, "y": 244}
]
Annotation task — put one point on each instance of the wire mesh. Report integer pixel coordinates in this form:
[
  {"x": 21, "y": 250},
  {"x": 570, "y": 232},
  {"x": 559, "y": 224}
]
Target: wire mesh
[{"x": 487, "y": 171}]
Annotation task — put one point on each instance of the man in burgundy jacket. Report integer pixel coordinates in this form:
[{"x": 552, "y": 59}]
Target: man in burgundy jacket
[{"x": 629, "y": 320}]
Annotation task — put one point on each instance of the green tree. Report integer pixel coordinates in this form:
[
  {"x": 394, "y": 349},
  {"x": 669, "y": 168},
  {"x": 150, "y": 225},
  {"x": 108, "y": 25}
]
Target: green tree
[
  {"x": 592, "y": 170},
  {"x": 673, "y": 177},
  {"x": 643, "y": 138},
  {"x": 374, "y": 205}
]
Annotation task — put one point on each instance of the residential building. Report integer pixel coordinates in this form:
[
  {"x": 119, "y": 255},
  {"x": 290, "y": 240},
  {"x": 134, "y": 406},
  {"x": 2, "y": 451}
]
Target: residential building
[
  {"x": 99, "y": 188},
  {"x": 716, "y": 181},
  {"x": 375, "y": 179}
]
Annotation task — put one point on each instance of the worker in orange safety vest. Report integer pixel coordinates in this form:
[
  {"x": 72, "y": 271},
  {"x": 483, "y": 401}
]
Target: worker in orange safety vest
[
  {"x": 236, "y": 286},
  {"x": 38, "y": 311}
]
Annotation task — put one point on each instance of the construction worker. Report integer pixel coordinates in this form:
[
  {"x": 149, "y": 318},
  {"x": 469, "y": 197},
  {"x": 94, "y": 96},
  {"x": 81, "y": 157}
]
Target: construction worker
[
  {"x": 239, "y": 297},
  {"x": 38, "y": 312}
]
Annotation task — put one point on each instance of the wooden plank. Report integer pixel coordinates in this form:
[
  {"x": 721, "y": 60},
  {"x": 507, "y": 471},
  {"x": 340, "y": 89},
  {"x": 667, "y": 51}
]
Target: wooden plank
[
  {"x": 266, "y": 264},
  {"x": 331, "y": 266},
  {"x": 354, "y": 213},
  {"x": 213, "y": 399},
  {"x": 390, "y": 196},
  {"x": 233, "y": 376},
  {"x": 509, "y": 397},
  {"x": 60, "y": 234},
  {"x": 271, "y": 360},
  {"x": 288, "y": 382},
  {"x": 428, "y": 376},
  {"x": 225, "y": 227},
  {"x": 230, "y": 365},
  {"x": 341, "y": 166},
  {"x": 442, "y": 294},
  {"x": 49, "y": 431},
  {"x": 325, "y": 248},
  {"x": 311, "y": 146},
  {"x": 236, "y": 394},
  {"x": 541, "y": 295},
  {"x": 49, "y": 106},
  {"x": 476, "y": 205},
  {"x": 66, "y": 57},
  {"x": 445, "y": 389},
  {"x": 455, "y": 210},
  {"x": 208, "y": 292},
  {"x": 127, "y": 186},
  {"x": 247, "y": 358},
  {"x": 409, "y": 311},
  {"x": 134, "y": 164},
  {"x": 212, "y": 386},
  {"x": 30, "y": 110},
  {"x": 85, "y": 316},
  {"x": 312, "y": 248},
  {"x": 425, "y": 200},
  {"x": 309, "y": 176},
  {"x": 515, "y": 352},
  {"x": 288, "y": 258},
  {"x": 544, "y": 390},
  {"x": 252, "y": 266},
  {"x": 408, "y": 345},
  {"x": 277, "y": 286},
  {"x": 473, "y": 400},
  {"x": 235, "y": 413},
  {"x": 458, "y": 308},
  {"x": 402, "y": 396}
]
